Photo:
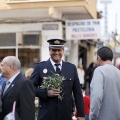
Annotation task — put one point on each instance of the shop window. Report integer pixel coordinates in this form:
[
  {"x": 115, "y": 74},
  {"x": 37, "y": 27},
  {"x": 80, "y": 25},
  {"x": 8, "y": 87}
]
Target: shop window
[
  {"x": 30, "y": 39},
  {"x": 6, "y": 52},
  {"x": 7, "y": 39}
]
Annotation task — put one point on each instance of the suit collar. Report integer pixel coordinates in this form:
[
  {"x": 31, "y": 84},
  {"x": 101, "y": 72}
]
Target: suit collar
[
  {"x": 11, "y": 85},
  {"x": 51, "y": 69},
  {"x": 49, "y": 66},
  {"x": 13, "y": 77},
  {"x": 64, "y": 68},
  {"x": 52, "y": 62}
]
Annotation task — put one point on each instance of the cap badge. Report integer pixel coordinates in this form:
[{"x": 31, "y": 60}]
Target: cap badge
[{"x": 57, "y": 42}]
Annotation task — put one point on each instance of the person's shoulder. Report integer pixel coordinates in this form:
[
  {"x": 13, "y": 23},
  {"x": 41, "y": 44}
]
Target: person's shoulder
[
  {"x": 40, "y": 62},
  {"x": 25, "y": 84},
  {"x": 24, "y": 80},
  {"x": 101, "y": 69},
  {"x": 104, "y": 67},
  {"x": 68, "y": 63}
]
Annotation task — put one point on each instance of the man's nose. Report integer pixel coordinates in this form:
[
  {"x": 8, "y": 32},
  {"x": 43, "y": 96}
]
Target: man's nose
[{"x": 56, "y": 51}]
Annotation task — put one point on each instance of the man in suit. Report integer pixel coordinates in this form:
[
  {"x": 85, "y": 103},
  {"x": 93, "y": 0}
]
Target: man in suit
[
  {"x": 51, "y": 108},
  {"x": 17, "y": 88}
]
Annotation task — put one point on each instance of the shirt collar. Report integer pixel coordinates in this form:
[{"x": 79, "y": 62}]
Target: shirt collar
[
  {"x": 12, "y": 78},
  {"x": 53, "y": 63}
]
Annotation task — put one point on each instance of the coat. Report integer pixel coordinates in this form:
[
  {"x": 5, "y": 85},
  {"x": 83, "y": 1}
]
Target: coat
[
  {"x": 105, "y": 93},
  {"x": 22, "y": 91},
  {"x": 50, "y": 108}
]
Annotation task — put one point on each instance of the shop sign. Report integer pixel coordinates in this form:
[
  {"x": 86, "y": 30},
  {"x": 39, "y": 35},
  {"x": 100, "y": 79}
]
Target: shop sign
[
  {"x": 105, "y": 1},
  {"x": 83, "y": 29},
  {"x": 50, "y": 26},
  {"x": 17, "y": 1}
]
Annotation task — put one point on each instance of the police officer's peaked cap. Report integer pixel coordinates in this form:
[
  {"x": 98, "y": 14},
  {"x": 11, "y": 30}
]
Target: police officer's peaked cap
[{"x": 56, "y": 43}]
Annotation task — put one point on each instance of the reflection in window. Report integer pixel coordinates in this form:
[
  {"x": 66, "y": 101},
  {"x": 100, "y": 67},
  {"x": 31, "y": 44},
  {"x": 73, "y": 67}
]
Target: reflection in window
[{"x": 27, "y": 57}]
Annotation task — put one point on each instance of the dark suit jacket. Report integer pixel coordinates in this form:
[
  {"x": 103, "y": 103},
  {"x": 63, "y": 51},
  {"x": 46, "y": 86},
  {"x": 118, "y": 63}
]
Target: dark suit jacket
[
  {"x": 50, "y": 107},
  {"x": 0, "y": 104},
  {"x": 22, "y": 91}
]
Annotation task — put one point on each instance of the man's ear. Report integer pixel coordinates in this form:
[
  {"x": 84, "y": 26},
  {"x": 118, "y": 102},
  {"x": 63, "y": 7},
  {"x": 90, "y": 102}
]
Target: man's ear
[{"x": 98, "y": 57}]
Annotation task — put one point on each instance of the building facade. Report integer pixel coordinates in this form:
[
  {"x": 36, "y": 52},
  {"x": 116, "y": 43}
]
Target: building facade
[{"x": 25, "y": 26}]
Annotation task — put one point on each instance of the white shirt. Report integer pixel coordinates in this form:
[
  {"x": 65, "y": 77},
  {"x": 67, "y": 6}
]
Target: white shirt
[
  {"x": 8, "y": 82},
  {"x": 53, "y": 64}
]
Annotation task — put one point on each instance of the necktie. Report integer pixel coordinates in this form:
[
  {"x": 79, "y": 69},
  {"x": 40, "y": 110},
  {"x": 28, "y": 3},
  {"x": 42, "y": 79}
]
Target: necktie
[
  {"x": 57, "y": 68},
  {"x": 7, "y": 83}
]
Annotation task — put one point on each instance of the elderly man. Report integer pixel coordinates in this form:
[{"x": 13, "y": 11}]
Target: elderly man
[
  {"x": 51, "y": 108},
  {"x": 17, "y": 88}
]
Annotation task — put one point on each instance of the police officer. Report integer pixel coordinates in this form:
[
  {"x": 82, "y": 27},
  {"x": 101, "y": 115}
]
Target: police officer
[{"x": 51, "y": 108}]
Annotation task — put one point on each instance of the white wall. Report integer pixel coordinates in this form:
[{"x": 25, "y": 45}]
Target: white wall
[
  {"x": 73, "y": 51},
  {"x": 9, "y": 28}
]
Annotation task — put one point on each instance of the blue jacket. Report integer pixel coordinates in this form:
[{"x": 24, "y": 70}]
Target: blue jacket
[{"x": 1, "y": 82}]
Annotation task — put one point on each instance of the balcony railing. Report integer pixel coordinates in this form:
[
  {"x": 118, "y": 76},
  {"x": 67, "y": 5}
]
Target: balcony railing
[{"x": 19, "y": 1}]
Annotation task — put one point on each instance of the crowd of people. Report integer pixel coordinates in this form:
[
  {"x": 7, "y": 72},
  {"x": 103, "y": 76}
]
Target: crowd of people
[{"x": 23, "y": 98}]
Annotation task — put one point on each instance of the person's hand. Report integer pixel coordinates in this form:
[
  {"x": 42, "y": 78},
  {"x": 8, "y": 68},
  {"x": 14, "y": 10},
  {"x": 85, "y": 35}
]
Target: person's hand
[
  {"x": 54, "y": 92},
  {"x": 80, "y": 118}
]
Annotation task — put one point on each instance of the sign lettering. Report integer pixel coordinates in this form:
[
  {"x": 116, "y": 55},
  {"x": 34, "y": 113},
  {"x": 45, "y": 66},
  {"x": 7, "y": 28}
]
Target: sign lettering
[{"x": 83, "y": 29}]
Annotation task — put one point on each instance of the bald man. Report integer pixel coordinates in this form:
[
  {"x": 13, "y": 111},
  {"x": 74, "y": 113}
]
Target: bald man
[{"x": 17, "y": 88}]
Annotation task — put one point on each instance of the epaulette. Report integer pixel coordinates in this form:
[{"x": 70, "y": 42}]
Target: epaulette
[
  {"x": 36, "y": 62},
  {"x": 39, "y": 62},
  {"x": 68, "y": 62}
]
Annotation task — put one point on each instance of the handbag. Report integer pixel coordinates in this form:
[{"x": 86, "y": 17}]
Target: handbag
[{"x": 11, "y": 115}]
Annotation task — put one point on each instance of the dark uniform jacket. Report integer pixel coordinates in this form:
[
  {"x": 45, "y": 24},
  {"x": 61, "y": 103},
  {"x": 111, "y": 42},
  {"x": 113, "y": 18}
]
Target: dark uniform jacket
[
  {"x": 50, "y": 108},
  {"x": 22, "y": 91}
]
